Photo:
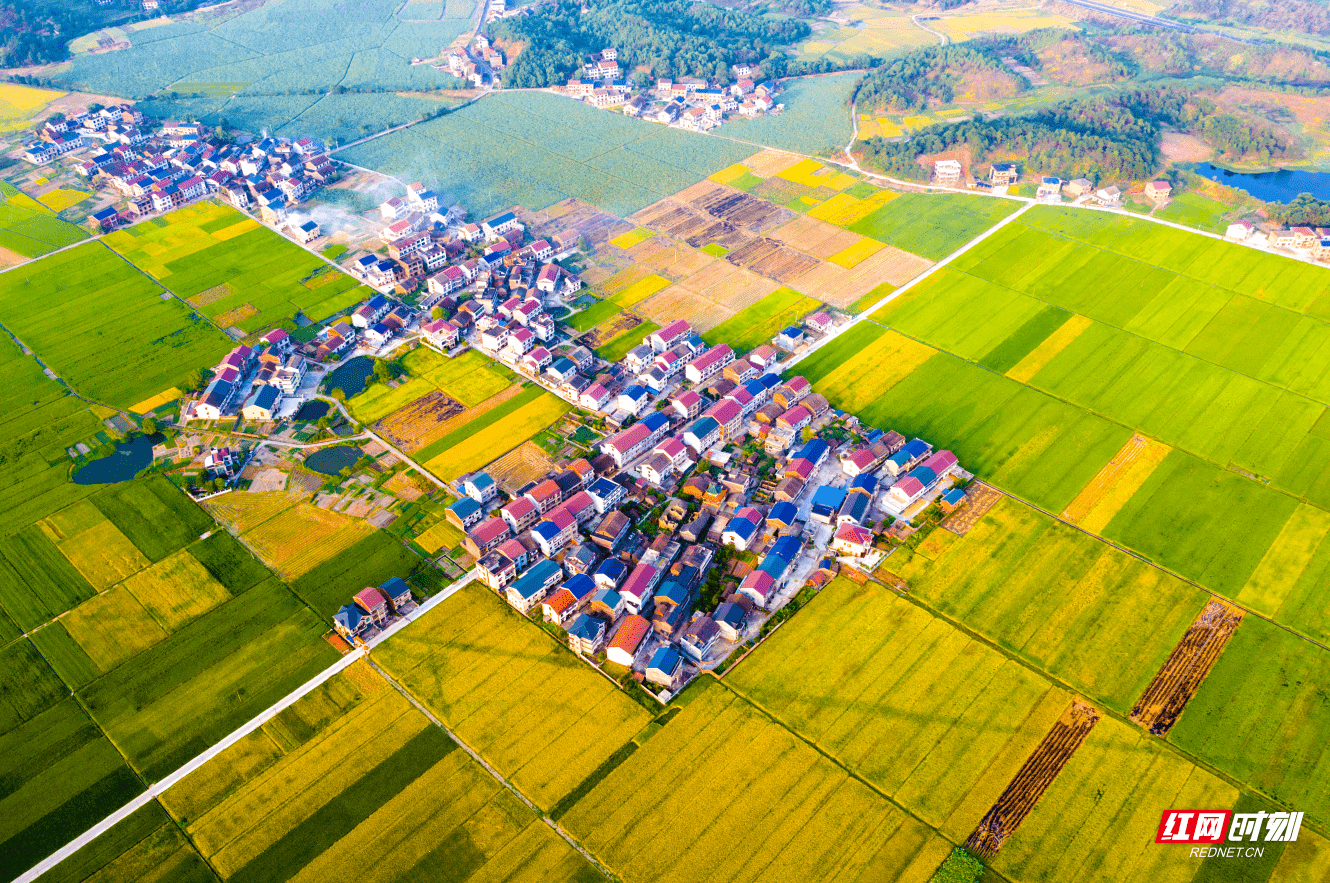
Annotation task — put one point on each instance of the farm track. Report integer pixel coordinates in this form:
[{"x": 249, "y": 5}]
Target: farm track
[
  {"x": 1033, "y": 779},
  {"x": 1186, "y": 668}
]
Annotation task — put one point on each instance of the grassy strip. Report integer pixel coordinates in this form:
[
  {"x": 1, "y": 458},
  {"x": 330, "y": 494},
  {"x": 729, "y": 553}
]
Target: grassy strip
[
  {"x": 607, "y": 766},
  {"x": 486, "y": 420},
  {"x": 303, "y": 843}
]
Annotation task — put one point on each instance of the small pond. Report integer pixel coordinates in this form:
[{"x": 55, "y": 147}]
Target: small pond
[
  {"x": 350, "y": 376},
  {"x": 331, "y": 461},
  {"x": 1281, "y": 185},
  {"x": 312, "y": 411},
  {"x": 130, "y": 458}
]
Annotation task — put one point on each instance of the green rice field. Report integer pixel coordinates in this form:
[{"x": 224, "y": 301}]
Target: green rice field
[
  {"x": 932, "y": 225},
  {"x": 758, "y": 324},
  {"x": 233, "y": 269},
  {"x": 29, "y": 228},
  {"x": 470, "y": 378},
  {"x": 104, "y": 327}
]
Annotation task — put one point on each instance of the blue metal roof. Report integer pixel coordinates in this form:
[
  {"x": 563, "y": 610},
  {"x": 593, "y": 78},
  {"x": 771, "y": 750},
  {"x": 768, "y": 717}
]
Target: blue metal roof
[
  {"x": 953, "y": 496},
  {"x": 635, "y": 392},
  {"x": 546, "y": 530},
  {"x": 612, "y": 569},
  {"x": 813, "y": 450},
  {"x": 603, "y": 487},
  {"x": 581, "y": 585},
  {"x": 786, "y": 547},
  {"x": 916, "y": 447},
  {"x": 481, "y": 480},
  {"x": 266, "y": 397},
  {"x": 348, "y": 616},
  {"x": 704, "y": 426},
  {"x": 731, "y": 614},
  {"x": 666, "y": 660},
  {"x": 465, "y": 507},
  {"x": 586, "y": 627},
  {"x": 608, "y": 597},
  {"x": 394, "y": 586},
  {"x": 866, "y": 482},
  {"x": 770, "y": 381},
  {"x": 925, "y": 475},
  {"x": 742, "y": 527},
  {"x": 655, "y": 420},
  {"x": 784, "y": 513},
  {"x": 673, "y": 590},
  {"x": 828, "y": 496}
]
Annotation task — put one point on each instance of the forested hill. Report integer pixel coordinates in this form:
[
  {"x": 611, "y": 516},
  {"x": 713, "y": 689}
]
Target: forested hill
[
  {"x": 670, "y": 38},
  {"x": 37, "y": 31}
]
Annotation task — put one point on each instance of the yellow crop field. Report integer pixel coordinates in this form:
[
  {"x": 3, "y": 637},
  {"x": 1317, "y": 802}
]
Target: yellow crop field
[
  {"x": 498, "y": 439},
  {"x": 845, "y": 209},
  {"x": 443, "y": 535},
  {"x": 633, "y": 237},
  {"x": 168, "y": 395},
  {"x": 20, "y": 103},
  {"x": 1286, "y": 559},
  {"x": 242, "y": 511},
  {"x": 1034, "y": 361},
  {"x": 868, "y": 374},
  {"x": 299, "y": 539},
  {"x": 802, "y": 172},
  {"x": 856, "y": 253},
  {"x": 771, "y": 162},
  {"x": 1124, "y": 485},
  {"x": 1007, "y": 21},
  {"x": 640, "y": 290},
  {"x": 60, "y": 199},
  {"x": 103, "y": 554},
  {"x": 112, "y": 627},
  {"x": 727, "y": 175},
  {"x": 176, "y": 589}
]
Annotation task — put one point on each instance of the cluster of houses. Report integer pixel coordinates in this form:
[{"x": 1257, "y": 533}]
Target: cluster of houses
[
  {"x": 372, "y": 608},
  {"x": 688, "y": 102},
  {"x": 950, "y": 173},
  {"x": 156, "y": 171},
  {"x": 252, "y": 381},
  {"x": 1313, "y": 242},
  {"x": 475, "y": 61},
  {"x": 569, "y": 547}
]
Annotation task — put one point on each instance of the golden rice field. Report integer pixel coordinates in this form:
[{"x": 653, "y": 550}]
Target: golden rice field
[
  {"x": 493, "y": 441},
  {"x": 1106, "y": 494},
  {"x": 176, "y": 589},
  {"x": 100, "y": 552},
  {"x": 112, "y": 627},
  {"x": 303, "y": 537},
  {"x": 243, "y": 511},
  {"x": 162, "y": 398}
]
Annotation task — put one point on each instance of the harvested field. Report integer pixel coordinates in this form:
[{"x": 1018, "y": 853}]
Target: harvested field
[
  {"x": 609, "y": 329},
  {"x": 771, "y": 162},
  {"x": 979, "y": 499},
  {"x": 736, "y": 207},
  {"x": 772, "y": 259},
  {"x": 208, "y": 295},
  {"x": 1163, "y": 701},
  {"x": 415, "y": 425},
  {"x": 841, "y": 286},
  {"x": 708, "y": 297},
  {"x": 710, "y": 213},
  {"x": 818, "y": 238},
  {"x": 626, "y": 277},
  {"x": 240, "y": 512},
  {"x": 304, "y": 537},
  {"x": 1097, "y": 503},
  {"x": 527, "y": 462},
  {"x": 570, "y": 219},
  {"x": 1033, "y": 779}
]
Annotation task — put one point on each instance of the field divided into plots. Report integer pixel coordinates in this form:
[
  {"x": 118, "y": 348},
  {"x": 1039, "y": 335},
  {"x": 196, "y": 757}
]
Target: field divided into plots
[
  {"x": 469, "y": 379},
  {"x": 104, "y": 327},
  {"x": 1106, "y": 631},
  {"x": 1185, "y": 364},
  {"x": 512, "y": 693},
  {"x": 353, "y": 774},
  {"x": 61, "y": 774},
  {"x": 30, "y": 229},
  {"x": 233, "y": 269},
  {"x": 478, "y": 444},
  {"x": 721, "y": 767}
]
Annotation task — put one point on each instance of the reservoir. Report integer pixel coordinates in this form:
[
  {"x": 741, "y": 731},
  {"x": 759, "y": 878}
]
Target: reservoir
[
  {"x": 130, "y": 458},
  {"x": 1277, "y": 186},
  {"x": 331, "y": 461}
]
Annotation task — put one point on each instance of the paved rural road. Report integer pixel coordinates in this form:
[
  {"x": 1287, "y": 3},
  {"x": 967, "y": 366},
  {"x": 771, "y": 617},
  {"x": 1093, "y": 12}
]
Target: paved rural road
[
  {"x": 908, "y": 285},
  {"x": 235, "y": 736}
]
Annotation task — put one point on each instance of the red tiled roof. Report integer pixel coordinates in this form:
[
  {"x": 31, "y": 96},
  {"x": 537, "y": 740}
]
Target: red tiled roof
[
  {"x": 369, "y": 598},
  {"x": 631, "y": 633}
]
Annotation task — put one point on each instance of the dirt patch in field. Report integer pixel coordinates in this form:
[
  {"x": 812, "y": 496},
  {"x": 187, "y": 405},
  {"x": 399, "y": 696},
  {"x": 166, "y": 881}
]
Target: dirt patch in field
[
  {"x": 209, "y": 295},
  {"x": 979, "y": 498},
  {"x": 419, "y": 423},
  {"x": 567, "y": 221},
  {"x": 234, "y": 317},
  {"x": 1033, "y": 779},
  {"x": 525, "y": 463},
  {"x": 842, "y": 286},
  {"x": 772, "y": 259},
  {"x": 708, "y": 213},
  {"x": 771, "y": 162},
  {"x": 403, "y": 485},
  {"x": 610, "y": 329},
  {"x": 1186, "y": 668}
]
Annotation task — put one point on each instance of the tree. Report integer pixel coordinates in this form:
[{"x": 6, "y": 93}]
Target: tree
[
  {"x": 383, "y": 370},
  {"x": 194, "y": 379},
  {"x": 338, "y": 395},
  {"x": 149, "y": 426},
  {"x": 436, "y": 313},
  {"x": 808, "y": 434}
]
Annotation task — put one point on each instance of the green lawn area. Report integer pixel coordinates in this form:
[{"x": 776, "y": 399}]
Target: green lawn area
[
  {"x": 618, "y": 347},
  {"x": 104, "y": 327},
  {"x": 1195, "y": 210},
  {"x": 932, "y": 225},
  {"x": 758, "y": 324}
]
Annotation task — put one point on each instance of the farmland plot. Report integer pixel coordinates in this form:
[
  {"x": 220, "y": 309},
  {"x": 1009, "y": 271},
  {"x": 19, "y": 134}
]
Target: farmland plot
[
  {"x": 37, "y": 583},
  {"x": 94, "y": 545},
  {"x": 221, "y": 261},
  {"x": 155, "y": 515},
  {"x": 41, "y": 421},
  {"x": 759, "y": 323},
  {"x": 960, "y": 718},
  {"x": 371, "y": 560},
  {"x": 496, "y": 439},
  {"x": 511, "y": 693},
  {"x": 104, "y": 327},
  {"x": 1108, "y": 629},
  {"x": 298, "y": 539},
  {"x": 30, "y": 229},
  {"x": 147, "y": 846},
  {"x": 353, "y": 773},
  {"x": 804, "y": 818},
  {"x": 931, "y": 225},
  {"x": 468, "y": 379},
  {"x": 171, "y": 701}
]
